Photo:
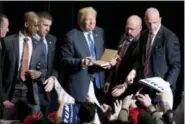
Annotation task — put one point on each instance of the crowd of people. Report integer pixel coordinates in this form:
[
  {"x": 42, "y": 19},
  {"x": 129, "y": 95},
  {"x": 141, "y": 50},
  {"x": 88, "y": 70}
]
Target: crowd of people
[{"x": 28, "y": 72}]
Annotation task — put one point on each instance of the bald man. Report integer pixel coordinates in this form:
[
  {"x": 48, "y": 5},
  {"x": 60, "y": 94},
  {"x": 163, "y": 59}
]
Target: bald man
[
  {"x": 159, "y": 52},
  {"x": 127, "y": 55},
  {"x": 23, "y": 67}
]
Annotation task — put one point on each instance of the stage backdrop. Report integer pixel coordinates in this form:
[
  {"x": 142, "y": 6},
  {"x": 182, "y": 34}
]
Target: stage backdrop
[{"x": 111, "y": 16}]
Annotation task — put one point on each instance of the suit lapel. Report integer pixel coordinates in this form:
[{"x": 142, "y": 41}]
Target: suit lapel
[
  {"x": 34, "y": 51},
  {"x": 157, "y": 40},
  {"x": 84, "y": 42},
  {"x": 49, "y": 43},
  {"x": 96, "y": 43},
  {"x": 144, "y": 41},
  {"x": 15, "y": 44}
]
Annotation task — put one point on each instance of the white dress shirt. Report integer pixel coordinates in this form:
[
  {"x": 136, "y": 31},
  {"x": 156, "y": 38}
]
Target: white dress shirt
[
  {"x": 91, "y": 93},
  {"x": 155, "y": 33},
  {"x": 21, "y": 43}
]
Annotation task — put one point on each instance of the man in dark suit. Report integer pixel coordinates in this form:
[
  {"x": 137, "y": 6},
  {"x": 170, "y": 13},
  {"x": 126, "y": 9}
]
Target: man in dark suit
[
  {"x": 23, "y": 68},
  {"x": 49, "y": 45},
  {"x": 81, "y": 46},
  {"x": 159, "y": 52},
  {"x": 127, "y": 54},
  {"x": 4, "y": 23}
]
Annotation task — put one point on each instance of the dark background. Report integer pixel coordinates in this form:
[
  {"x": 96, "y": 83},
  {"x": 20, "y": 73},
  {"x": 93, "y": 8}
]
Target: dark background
[{"x": 111, "y": 17}]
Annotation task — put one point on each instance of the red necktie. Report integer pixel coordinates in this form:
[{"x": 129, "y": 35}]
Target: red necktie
[
  {"x": 122, "y": 52},
  {"x": 24, "y": 60},
  {"x": 147, "y": 55}
]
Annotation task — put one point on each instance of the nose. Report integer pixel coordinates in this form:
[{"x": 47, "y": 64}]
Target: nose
[
  {"x": 48, "y": 29},
  {"x": 152, "y": 26},
  {"x": 129, "y": 32},
  {"x": 37, "y": 28}
]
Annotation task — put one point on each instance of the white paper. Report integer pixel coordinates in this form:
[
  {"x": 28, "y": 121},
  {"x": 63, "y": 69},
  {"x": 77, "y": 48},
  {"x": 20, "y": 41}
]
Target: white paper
[
  {"x": 62, "y": 94},
  {"x": 160, "y": 85}
]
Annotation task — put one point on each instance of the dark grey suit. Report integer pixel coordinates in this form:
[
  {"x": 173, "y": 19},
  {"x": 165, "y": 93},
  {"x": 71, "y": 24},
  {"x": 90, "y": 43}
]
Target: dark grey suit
[
  {"x": 119, "y": 76},
  {"x": 51, "y": 41},
  {"x": 1, "y": 62},
  {"x": 74, "y": 49},
  {"x": 10, "y": 69},
  {"x": 47, "y": 98},
  {"x": 164, "y": 57}
]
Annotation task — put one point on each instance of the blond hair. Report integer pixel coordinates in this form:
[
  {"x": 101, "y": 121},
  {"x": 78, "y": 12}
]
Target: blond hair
[{"x": 83, "y": 12}]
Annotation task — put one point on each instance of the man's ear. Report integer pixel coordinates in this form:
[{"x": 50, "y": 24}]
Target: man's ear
[
  {"x": 141, "y": 28},
  {"x": 160, "y": 19},
  {"x": 26, "y": 24}
]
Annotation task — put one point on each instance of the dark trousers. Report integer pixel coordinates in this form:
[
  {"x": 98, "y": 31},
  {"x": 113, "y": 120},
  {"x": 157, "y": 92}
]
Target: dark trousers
[
  {"x": 22, "y": 107},
  {"x": 45, "y": 110},
  {"x": 20, "y": 104}
]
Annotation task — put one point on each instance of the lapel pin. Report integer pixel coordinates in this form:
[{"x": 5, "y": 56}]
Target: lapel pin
[{"x": 49, "y": 42}]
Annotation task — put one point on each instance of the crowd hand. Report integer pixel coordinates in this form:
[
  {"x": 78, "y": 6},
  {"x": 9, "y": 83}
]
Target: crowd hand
[
  {"x": 60, "y": 102},
  {"x": 89, "y": 99},
  {"x": 108, "y": 66},
  {"x": 106, "y": 87},
  {"x": 117, "y": 108},
  {"x": 130, "y": 77},
  {"x": 166, "y": 100},
  {"x": 34, "y": 74},
  {"x": 49, "y": 84},
  {"x": 127, "y": 101},
  {"x": 119, "y": 89},
  {"x": 144, "y": 100},
  {"x": 164, "y": 96},
  {"x": 7, "y": 104},
  {"x": 87, "y": 61},
  {"x": 106, "y": 109}
]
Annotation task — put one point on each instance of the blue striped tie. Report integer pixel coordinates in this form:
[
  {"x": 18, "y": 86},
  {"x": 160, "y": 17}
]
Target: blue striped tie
[{"x": 93, "y": 54}]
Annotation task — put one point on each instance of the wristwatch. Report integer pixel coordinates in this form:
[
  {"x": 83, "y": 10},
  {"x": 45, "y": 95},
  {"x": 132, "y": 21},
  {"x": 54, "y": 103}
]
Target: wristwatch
[{"x": 150, "y": 108}]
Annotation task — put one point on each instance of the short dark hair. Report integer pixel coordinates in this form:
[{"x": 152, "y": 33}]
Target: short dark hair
[
  {"x": 1, "y": 18},
  {"x": 87, "y": 112},
  {"x": 46, "y": 15}
]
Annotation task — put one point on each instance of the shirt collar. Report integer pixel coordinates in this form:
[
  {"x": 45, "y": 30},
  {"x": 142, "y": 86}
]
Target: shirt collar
[
  {"x": 22, "y": 36},
  {"x": 157, "y": 30},
  {"x": 86, "y": 33},
  {"x": 37, "y": 37}
]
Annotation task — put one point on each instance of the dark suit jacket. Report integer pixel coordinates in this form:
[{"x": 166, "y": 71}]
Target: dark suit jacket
[
  {"x": 10, "y": 68},
  {"x": 127, "y": 62},
  {"x": 51, "y": 40},
  {"x": 164, "y": 58},
  {"x": 1, "y": 61},
  {"x": 74, "y": 49}
]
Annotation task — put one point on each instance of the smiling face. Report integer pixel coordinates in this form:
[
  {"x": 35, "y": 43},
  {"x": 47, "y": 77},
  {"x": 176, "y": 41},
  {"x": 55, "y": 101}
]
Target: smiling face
[
  {"x": 87, "y": 19},
  {"x": 89, "y": 22}
]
